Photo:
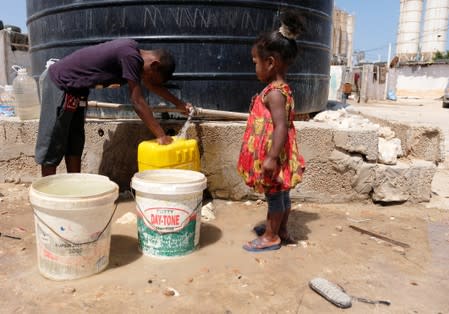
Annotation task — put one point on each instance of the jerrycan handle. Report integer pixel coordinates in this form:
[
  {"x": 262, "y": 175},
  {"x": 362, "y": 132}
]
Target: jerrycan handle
[{"x": 16, "y": 68}]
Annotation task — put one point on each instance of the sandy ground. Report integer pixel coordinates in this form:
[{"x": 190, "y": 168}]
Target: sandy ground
[{"x": 220, "y": 277}]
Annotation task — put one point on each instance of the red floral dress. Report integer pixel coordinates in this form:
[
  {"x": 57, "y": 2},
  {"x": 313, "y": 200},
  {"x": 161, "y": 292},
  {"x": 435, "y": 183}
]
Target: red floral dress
[{"x": 257, "y": 142}]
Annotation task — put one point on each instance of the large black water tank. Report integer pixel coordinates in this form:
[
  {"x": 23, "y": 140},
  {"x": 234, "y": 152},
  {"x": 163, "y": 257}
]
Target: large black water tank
[{"x": 210, "y": 39}]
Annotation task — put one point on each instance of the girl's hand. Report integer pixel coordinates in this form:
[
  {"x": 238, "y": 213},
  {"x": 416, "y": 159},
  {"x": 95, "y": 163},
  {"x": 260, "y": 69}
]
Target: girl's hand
[{"x": 270, "y": 167}]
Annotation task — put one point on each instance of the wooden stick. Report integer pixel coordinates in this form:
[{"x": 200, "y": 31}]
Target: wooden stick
[{"x": 404, "y": 245}]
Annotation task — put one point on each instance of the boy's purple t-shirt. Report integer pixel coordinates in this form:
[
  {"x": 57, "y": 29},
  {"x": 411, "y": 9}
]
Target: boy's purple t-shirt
[{"x": 113, "y": 62}]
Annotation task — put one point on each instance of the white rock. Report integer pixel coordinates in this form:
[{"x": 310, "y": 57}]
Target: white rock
[
  {"x": 128, "y": 218},
  {"x": 386, "y": 133},
  {"x": 389, "y": 150},
  {"x": 208, "y": 212}
]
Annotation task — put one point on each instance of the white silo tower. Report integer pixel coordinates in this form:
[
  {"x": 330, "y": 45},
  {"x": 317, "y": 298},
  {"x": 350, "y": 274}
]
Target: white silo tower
[
  {"x": 344, "y": 34},
  {"x": 350, "y": 31},
  {"x": 409, "y": 29},
  {"x": 435, "y": 28}
]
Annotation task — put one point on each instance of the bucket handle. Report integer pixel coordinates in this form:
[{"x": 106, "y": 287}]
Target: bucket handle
[
  {"x": 158, "y": 229},
  {"x": 77, "y": 243}
]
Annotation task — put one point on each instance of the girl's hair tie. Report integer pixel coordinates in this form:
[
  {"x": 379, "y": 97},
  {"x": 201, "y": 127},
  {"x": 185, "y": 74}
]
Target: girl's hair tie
[{"x": 285, "y": 31}]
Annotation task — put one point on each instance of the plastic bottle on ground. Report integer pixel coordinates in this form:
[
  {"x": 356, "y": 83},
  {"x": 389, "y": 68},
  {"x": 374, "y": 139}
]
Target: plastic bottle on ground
[
  {"x": 7, "y": 101},
  {"x": 25, "y": 92}
]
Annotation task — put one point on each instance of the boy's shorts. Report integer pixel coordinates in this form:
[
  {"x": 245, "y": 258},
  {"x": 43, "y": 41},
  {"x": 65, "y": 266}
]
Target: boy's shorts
[
  {"x": 61, "y": 124},
  {"x": 279, "y": 201}
]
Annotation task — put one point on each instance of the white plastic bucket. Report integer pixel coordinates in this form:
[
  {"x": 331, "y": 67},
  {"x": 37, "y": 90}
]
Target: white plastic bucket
[
  {"x": 168, "y": 203},
  {"x": 72, "y": 215}
]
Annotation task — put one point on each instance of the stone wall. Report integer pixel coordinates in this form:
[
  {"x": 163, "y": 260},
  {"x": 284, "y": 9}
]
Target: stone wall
[{"x": 341, "y": 164}]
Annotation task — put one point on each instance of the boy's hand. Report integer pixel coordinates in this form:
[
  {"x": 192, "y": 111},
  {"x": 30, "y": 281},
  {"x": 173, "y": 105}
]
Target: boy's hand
[
  {"x": 164, "y": 140},
  {"x": 187, "y": 107}
]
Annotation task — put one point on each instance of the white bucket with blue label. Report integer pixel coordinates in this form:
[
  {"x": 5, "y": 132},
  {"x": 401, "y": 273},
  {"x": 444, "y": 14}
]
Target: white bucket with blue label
[
  {"x": 73, "y": 214},
  {"x": 168, "y": 204}
]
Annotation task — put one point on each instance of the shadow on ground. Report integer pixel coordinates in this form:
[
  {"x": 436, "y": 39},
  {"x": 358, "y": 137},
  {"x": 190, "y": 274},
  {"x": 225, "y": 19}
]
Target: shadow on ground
[
  {"x": 297, "y": 224},
  {"x": 209, "y": 234},
  {"x": 123, "y": 251}
]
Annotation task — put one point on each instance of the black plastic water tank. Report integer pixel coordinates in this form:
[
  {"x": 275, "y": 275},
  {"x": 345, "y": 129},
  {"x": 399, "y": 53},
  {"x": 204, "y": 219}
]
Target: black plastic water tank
[{"x": 211, "y": 41}]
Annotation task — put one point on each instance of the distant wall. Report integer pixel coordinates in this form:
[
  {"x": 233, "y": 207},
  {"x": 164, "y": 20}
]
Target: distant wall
[{"x": 422, "y": 80}]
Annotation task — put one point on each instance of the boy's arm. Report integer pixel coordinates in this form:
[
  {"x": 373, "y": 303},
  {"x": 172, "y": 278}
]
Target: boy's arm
[
  {"x": 165, "y": 93},
  {"x": 275, "y": 102},
  {"x": 144, "y": 112}
]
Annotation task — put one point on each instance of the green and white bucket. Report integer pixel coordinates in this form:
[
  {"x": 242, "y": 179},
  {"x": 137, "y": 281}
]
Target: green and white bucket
[{"x": 168, "y": 203}]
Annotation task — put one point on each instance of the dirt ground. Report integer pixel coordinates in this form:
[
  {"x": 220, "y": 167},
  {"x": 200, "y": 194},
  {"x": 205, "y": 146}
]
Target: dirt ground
[{"x": 221, "y": 277}]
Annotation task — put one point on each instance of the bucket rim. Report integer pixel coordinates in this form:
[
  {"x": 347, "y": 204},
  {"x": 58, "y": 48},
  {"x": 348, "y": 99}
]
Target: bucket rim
[
  {"x": 194, "y": 182},
  {"x": 112, "y": 190}
]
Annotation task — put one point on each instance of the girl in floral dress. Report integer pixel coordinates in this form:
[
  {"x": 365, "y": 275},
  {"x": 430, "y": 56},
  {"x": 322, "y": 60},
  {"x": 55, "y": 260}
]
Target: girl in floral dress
[{"x": 269, "y": 160}]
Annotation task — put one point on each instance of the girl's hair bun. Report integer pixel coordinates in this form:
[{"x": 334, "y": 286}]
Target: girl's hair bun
[{"x": 292, "y": 24}]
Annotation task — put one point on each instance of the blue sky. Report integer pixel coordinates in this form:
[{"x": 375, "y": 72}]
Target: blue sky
[{"x": 375, "y": 25}]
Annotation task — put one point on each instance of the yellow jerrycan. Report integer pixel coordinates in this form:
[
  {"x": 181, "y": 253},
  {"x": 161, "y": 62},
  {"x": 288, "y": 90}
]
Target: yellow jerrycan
[{"x": 179, "y": 154}]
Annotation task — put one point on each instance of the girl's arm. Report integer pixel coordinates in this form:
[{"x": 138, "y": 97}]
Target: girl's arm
[{"x": 275, "y": 102}]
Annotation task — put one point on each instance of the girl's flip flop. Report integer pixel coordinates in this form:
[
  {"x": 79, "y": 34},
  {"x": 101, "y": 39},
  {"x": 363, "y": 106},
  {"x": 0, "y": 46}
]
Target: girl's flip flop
[
  {"x": 289, "y": 241},
  {"x": 256, "y": 246}
]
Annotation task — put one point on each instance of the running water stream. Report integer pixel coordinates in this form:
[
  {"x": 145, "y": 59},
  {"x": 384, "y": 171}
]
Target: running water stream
[{"x": 183, "y": 132}]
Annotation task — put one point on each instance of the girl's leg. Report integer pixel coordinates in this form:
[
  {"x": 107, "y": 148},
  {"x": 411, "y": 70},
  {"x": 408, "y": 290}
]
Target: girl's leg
[
  {"x": 270, "y": 238},
  {"x": 283, "y": 231}
]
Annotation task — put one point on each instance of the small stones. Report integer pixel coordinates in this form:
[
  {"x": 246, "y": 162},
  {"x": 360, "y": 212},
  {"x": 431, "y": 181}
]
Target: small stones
[
  {"x": 399, "y": 249},
  {"x": 69, "y": 290},
  {"x": 170, "y": 292}
]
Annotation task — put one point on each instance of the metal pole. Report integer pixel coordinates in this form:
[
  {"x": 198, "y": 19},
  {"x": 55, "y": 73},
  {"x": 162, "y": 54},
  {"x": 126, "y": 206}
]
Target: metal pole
[
  {"x": 198, "y": 112},
  {"x": 387, "y": 71}
]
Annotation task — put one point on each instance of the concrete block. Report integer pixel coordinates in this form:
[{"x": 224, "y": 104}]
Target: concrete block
[
  {"x": 425, "y": 142},
  {"x": 419, "y": 141},
  {"x": 404, "y": 182},
  {"x": 315, "y": 140},
  {"x": 333, "y": 174},
  {"x": 220, "y": 144},
  {"x": 342, "y": 178},
  {"x": 364, "y": 142}
]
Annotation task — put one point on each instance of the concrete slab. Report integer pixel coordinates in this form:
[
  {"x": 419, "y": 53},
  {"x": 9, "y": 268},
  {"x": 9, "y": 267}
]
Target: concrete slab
[{"x": 340, "y": 163}]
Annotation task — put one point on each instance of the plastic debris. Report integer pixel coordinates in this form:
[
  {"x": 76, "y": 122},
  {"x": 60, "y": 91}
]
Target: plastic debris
[{"x": 337, "y": 295}]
